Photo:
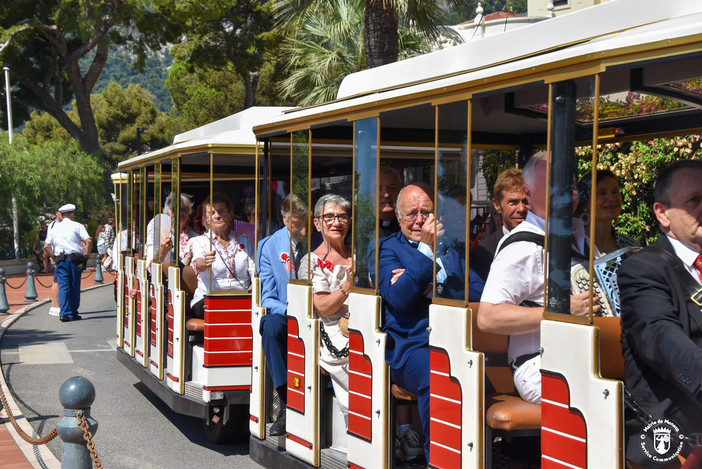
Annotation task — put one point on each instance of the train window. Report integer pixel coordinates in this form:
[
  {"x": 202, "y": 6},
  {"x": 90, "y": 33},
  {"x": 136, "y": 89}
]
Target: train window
[
  {"x": 300, "y": 171},
  {"x": 331, "y": 170},
  {"x": 178, "y": 214},
  {"x": 452, "y": 200},
  {"x": 365, "y": 190}
]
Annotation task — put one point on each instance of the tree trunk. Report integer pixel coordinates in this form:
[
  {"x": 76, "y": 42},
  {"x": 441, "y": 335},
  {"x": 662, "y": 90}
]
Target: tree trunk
[
  {"x": 250, "y": 86},
  {"x": 382, "y": 39}
]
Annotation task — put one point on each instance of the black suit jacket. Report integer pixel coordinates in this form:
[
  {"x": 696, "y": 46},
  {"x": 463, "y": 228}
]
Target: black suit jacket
[
  {"x": 661, "y": 343},
  {"x": 483, "y": 254}
]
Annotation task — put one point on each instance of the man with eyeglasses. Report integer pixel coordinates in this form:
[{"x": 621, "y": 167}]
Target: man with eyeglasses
[
  {"x": 276, "y": 265},
  {"x": 405, "y": 276}
]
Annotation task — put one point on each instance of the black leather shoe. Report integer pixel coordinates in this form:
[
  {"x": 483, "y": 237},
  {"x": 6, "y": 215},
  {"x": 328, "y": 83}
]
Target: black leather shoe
[
  {"x": 278, "y": 428},
  {"x": 77, "y": 317},
  {"x": 65, "y": 319}
]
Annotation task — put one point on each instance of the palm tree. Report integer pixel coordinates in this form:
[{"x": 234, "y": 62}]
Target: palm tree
[
  {"x": 382, "y": 20},
  {"x": 325, "y": 47}
]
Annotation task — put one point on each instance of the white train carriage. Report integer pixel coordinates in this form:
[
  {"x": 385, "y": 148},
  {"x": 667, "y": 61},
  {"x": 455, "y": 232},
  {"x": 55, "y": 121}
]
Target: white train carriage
[
  {"x": 540, "y": 87},
  {"x": 202, "y": 369}
]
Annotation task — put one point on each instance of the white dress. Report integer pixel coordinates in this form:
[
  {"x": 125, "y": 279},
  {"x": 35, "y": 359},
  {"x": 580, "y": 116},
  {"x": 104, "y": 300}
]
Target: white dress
[
  {"x": 233, "y": 267},
  {"x": 329, "y": 278}
]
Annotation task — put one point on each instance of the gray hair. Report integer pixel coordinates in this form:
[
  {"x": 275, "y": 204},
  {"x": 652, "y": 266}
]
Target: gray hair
[
  {"x": 529, "y": 170},
  {"x": 299, "y": 209},
  {"x": 333, "y": 199},
  {"x": 186, "y": 203}
]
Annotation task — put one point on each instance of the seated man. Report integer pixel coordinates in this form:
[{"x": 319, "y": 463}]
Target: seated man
[
  {"x": 513, "y": 299},
  {"x": 275, "y": 268},
  {"x": 661, "y": 324},
  {"x": 405, "y": 271},
  {"x": 511, "y": 203}
]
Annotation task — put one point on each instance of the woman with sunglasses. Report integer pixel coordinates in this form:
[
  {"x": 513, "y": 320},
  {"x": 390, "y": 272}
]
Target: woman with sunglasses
[
  {"x": 228, "y": 256},
  {"x": 331, "y": 274}
]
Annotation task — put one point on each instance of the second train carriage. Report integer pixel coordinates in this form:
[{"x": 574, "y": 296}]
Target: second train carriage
[
  {"x": 198, "y": 369},
  {"x": 624, "y": 70}
]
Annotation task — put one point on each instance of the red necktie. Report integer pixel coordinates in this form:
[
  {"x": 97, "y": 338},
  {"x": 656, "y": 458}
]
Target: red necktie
[{"x": 698, "y": 266}]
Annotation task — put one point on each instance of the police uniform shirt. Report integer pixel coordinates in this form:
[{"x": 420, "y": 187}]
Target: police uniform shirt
[{"x": 67, "y": 237}]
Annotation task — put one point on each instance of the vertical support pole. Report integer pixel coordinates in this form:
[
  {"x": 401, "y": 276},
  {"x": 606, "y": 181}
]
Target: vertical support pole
[
  {"x": 560, "y": 224},
  {"x": 76, "y": 395}
]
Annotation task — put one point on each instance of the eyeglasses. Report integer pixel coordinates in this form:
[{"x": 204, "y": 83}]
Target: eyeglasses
[
  {"x": 412, "y": 216},
  {"x": 221, "y": 212},
  {"x": 328, "y": 218}
]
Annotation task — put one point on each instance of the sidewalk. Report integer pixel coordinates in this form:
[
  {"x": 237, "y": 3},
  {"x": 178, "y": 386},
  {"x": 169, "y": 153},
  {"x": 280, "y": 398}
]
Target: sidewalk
[{"x": 15, "y": 453}]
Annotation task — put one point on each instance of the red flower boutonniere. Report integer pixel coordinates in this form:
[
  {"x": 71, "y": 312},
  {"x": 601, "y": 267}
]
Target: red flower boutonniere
[
  {"x": 285, "y": 259},
  {"x": 241, "y": 247},
  {"x": 325, "y": 264}
]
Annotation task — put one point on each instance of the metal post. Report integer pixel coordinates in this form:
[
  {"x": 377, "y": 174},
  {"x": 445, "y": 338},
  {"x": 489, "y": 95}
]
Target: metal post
[
  {"x": 76, "y": 395},
  {"x": 560, "y": 224},
  {"x": 98, "y": 270},
  {"x": 4, "y": 306},
  {"x": 30, "y": 294},
  {"x": 8, "y": 99}
]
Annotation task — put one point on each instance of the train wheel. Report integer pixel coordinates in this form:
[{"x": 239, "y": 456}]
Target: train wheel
[{"x": 236, "y": 428}]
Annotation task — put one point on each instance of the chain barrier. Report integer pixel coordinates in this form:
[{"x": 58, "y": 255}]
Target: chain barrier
[
  {"x": 33, "y": 441},
  {"x": 86, "y": 274},
  {"x": 88, "y": 437},
  {"x": 16, "y": 288},
  {"x": 39, "y": 282}
]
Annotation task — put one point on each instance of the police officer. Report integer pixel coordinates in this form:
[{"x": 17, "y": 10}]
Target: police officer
[{"x": 64, "y": 245}]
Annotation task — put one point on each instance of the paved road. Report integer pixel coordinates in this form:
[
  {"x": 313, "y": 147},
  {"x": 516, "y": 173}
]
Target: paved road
[{"x": 136, "y": 430}]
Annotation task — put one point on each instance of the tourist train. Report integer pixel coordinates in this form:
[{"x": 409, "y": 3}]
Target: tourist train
[{"x": 625, "y": 70}]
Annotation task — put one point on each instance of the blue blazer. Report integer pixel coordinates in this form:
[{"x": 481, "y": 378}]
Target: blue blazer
[
  {"x": 405, "y": 307},
  {"x": 273, "y": 272}
]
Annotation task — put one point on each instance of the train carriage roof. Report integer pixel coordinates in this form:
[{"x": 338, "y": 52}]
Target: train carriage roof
[
  {"x": 233, "y": 132},
  {"x": 578, "y": 44}
]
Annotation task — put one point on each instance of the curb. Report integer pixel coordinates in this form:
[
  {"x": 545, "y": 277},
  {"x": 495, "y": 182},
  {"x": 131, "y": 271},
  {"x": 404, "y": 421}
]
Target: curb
[{"x": 39, "y": 456}]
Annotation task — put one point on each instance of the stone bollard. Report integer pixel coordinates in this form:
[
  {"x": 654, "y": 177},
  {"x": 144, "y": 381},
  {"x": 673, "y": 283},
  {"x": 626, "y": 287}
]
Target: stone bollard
[
  {"x": 98, "y": 270},
  {"x": 4, "y": 306},
  {"x": 76, "y": 395},
  {"x": 30, "y": 294}
]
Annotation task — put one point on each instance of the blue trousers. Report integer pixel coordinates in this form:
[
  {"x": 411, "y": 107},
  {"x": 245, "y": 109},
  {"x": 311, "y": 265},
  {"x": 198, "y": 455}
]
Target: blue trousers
[
  {"x": 68, "y": 280},
  {"x": 274, "y": 334},
  {"x": 414, "y": 377}
]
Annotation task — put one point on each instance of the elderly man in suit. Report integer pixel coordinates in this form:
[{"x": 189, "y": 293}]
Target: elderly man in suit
[
  {"x": 661, "y": 323},
  {"x": 277, "y": 264},
  {"x": 405, "y": 276}
]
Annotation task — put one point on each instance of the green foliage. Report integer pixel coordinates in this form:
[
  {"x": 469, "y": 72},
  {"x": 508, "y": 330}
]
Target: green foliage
[
  {"x": 44, "y": 42},
  {"x": 493, "y": 163},
  {"x": 120, "y": 69},
  {"x": 326, "y": 46},
  {"x": 204, "y": 95},
  {"x": 118, "y": 113},
  {"x": 42, "y": 177},
  {"x": 637, "y": 164}
]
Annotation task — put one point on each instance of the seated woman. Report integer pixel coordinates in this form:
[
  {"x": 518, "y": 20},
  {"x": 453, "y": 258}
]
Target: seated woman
[
  {"x": 331, "y": 273},
  {"x": 608, "y": 201},
  {"x": 163, "y": 223},
  {"x": 221, "y": 252}
]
